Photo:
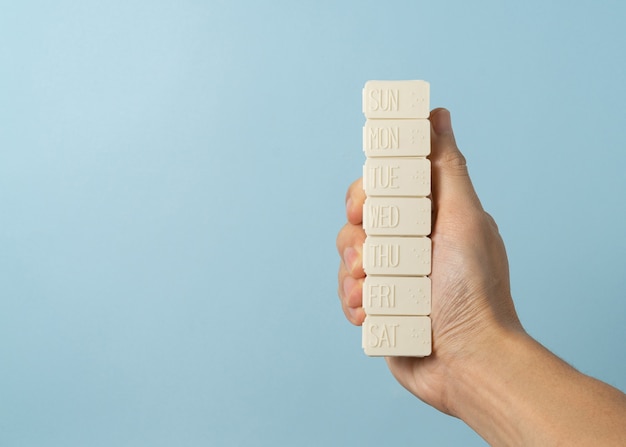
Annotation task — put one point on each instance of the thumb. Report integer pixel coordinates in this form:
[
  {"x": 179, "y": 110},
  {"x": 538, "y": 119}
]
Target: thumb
[{"x": 451, "y": 184}]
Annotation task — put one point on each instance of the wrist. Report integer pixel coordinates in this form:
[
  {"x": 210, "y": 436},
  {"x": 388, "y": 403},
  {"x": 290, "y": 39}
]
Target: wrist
[
  {"x": 513, "y": 391},
  {"x": 481, "y": 391}
]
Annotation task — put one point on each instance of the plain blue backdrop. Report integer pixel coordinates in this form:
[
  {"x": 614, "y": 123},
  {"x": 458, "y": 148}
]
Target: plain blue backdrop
[{"x": 172, "y": 177}]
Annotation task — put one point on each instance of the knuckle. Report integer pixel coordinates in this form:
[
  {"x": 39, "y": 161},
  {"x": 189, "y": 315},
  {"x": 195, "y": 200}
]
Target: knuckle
[{"x": 453, "y": 162}]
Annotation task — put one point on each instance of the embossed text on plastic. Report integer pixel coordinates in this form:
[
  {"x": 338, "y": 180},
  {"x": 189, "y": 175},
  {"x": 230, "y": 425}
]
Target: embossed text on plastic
[
  {"x": 396, "y": 138},
  {"x": 397, "y": 256},
  {"x": 396, "y": 295},
  {"x": 397, "y": 335},
  {"x": 397, "y": 216},
  {"x": 395, "y": 176},
  {"x": 396, "y": 99}
]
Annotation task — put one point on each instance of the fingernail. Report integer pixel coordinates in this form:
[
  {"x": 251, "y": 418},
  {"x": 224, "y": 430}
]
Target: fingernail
[
  {"x": 442, "y": 124},
  {"x": 352, "y": 312},
  {"x": 349, "y": 258},
  {"x": 348, "y": 205},
  {"x": 348, "y": 284}
]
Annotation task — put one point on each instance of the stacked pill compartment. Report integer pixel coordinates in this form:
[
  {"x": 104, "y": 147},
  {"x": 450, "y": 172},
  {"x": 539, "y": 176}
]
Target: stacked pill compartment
[{"x": 397, "y": 219}]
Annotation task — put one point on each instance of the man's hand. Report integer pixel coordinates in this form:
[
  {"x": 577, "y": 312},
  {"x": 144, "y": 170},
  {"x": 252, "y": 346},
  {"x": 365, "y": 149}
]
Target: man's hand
[{"x": 484, "y": 368}]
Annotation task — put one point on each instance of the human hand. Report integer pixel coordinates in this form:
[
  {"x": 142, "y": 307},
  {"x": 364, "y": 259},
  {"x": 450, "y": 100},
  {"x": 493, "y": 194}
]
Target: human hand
[{"x": 472, "y": 306}]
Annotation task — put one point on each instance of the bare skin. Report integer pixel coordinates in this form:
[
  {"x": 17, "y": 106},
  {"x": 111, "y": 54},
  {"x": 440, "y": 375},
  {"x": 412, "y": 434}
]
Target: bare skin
[{"x": 485, "y": 369}]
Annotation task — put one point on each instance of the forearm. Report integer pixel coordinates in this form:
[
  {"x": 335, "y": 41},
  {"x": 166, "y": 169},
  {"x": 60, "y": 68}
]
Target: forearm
[{"x": 518, "y": 393}]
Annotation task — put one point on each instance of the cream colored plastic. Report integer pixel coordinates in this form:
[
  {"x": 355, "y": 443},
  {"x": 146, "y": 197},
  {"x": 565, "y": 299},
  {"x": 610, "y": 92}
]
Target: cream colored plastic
[
  {"x": 397, "y": 336},
  {"x": 396, "y": 295},
  {"x": 397, "y": 216},
  {"x": 397, "y": 219},
  {"x": 396, "y": 99},
  {"x": 397, "y": 256},
  {"x": 396, "y": 177},
  {"x": 396, "y": 138}
]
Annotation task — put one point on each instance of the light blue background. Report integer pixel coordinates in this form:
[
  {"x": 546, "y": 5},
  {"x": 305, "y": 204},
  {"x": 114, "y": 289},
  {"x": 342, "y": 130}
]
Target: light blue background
[{"x": 172, "y": 177}]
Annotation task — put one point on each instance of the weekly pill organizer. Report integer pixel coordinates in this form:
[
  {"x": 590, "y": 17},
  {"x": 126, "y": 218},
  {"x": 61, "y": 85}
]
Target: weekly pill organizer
[{"x": 397, "y": 252}]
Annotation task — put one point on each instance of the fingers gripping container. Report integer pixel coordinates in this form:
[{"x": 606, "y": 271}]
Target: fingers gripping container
[{"x": 397, "y": 219}]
